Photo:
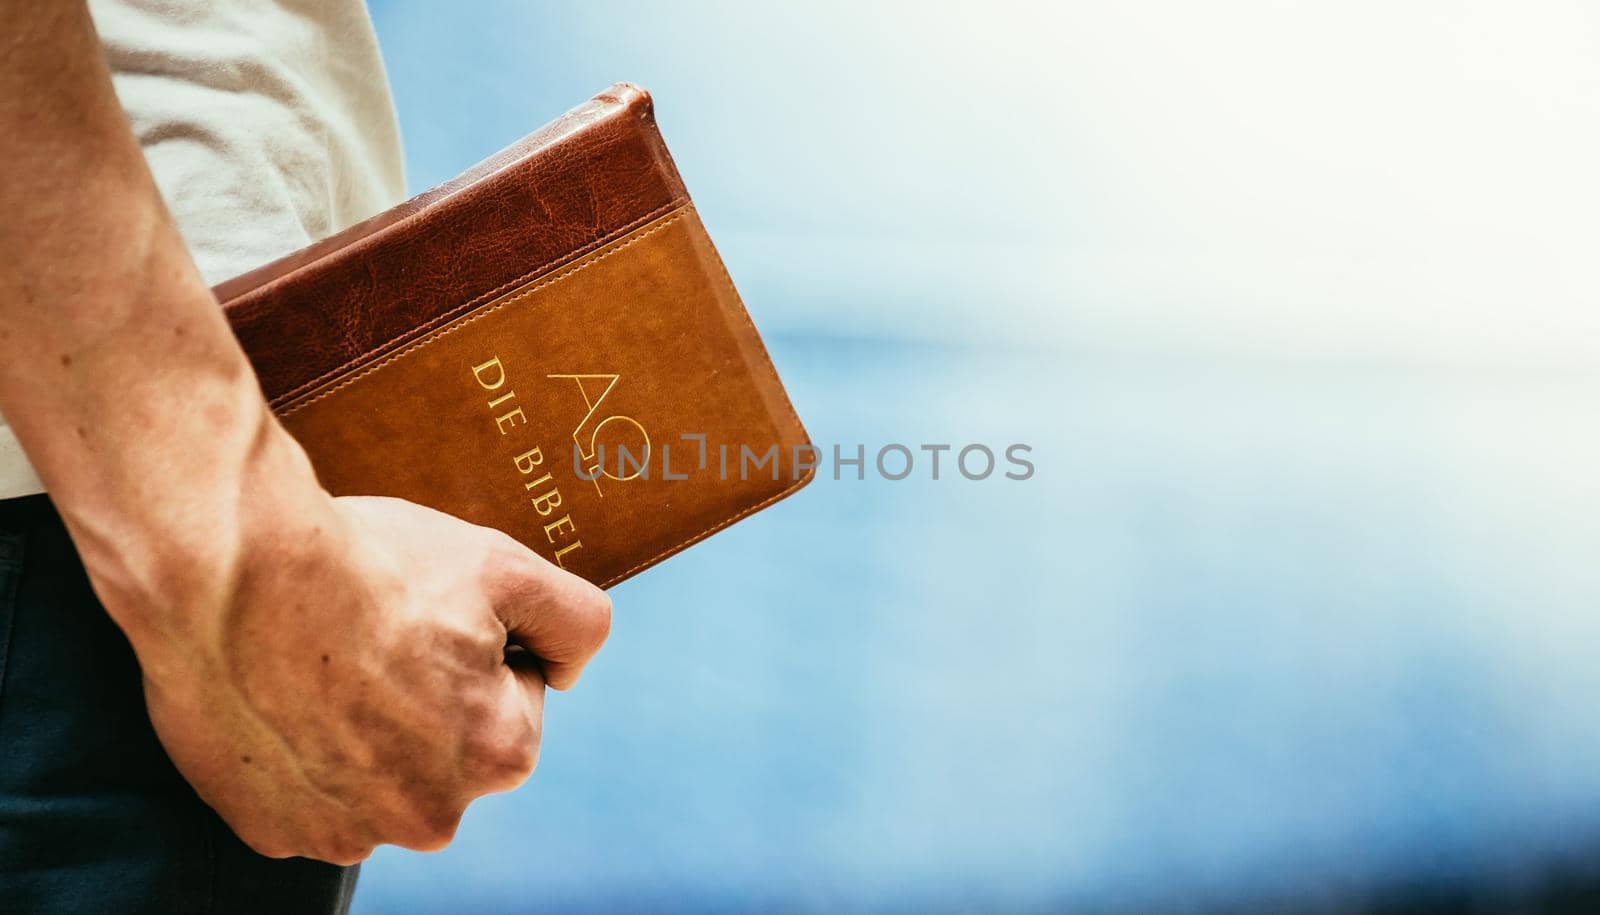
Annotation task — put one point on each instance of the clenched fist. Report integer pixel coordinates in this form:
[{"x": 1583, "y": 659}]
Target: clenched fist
[{"x": 366, "y": 676}]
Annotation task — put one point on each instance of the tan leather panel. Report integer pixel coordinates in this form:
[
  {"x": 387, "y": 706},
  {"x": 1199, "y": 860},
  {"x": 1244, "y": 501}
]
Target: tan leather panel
[{"x": 631, "y": 347}]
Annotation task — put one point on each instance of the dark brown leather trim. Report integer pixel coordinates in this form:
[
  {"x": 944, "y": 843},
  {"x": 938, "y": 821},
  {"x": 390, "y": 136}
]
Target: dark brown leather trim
[{"x": 593, "y": 175}]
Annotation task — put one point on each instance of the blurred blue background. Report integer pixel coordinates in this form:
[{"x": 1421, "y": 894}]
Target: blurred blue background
[{"x": 1295, "y": 304}]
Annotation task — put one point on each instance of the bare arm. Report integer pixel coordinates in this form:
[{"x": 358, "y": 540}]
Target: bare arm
[
  {"x": 328, "y": 673},
  {"x": 113, "y": 346}
]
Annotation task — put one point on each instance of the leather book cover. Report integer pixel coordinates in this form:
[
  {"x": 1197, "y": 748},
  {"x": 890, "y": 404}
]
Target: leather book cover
[{"x": 548, "y": 345}]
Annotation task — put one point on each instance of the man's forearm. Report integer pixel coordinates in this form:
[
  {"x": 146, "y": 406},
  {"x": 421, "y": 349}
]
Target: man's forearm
[
  {"x": 328, "y": 674},
  {"x": 117, "y": 370}
]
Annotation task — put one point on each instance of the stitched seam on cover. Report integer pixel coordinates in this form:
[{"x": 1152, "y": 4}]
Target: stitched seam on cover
[
  {"x": 772, "y": 370},
  {"x": 304, "y": 388},
  {"x": 594, "y": 257}
]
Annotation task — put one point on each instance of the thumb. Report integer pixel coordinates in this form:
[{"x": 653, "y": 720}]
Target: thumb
[{"x": 553, "y": 614}]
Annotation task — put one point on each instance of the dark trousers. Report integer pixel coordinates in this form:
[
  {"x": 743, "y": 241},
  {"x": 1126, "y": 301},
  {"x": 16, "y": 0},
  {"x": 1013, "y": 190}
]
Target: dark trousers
[{"x": 93, "y": 816}]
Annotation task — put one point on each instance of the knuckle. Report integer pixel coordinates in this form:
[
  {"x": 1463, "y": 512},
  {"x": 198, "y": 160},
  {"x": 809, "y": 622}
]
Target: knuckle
[
  {"x": 303, "y": 838},
  {"x": 434, "y": 827},
  {"x": 346, "y": 852},
  {"x": 479, "y": 716},
  {"x": 505, "y": 558},
  {"x": 493, "y": 553},
  {"x": 266, "y": 843},
  {"x": 507, "y": 753},
  {"x": 269, "y": 849},
  {"x": 341, "y": 846},
  {"x": 516, "y": 758}
]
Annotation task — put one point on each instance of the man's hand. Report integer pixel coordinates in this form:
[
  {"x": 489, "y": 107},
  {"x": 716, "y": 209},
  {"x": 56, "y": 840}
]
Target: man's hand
[
  {"x": 358, "y": 691},
  {"x": 329, "y": 674}
]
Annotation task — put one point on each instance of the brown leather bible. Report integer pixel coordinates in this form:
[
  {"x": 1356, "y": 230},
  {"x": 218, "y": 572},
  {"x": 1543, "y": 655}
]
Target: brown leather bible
[{"x": 548, "y": 345}]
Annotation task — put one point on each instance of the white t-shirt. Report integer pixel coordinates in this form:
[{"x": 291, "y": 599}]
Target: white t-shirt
[{"x": 267, "y": 126}]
